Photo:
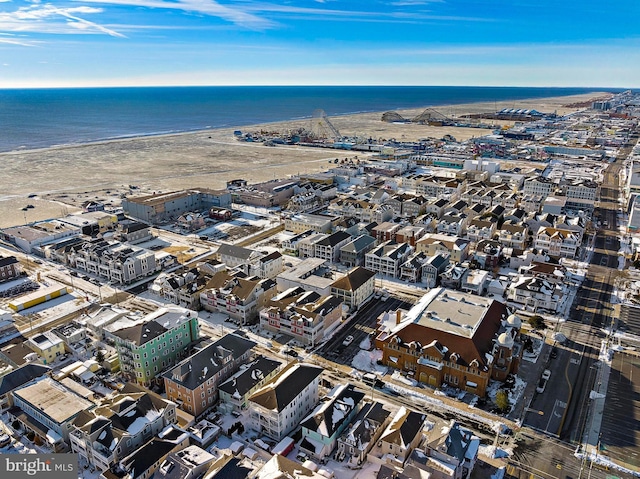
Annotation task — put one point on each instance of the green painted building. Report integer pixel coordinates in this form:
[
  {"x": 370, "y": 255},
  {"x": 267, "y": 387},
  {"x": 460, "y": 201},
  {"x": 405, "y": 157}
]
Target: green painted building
[{"x": 156, "y": 342}]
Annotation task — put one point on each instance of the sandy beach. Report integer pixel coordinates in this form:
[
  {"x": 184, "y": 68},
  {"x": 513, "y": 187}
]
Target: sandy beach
[{"x": 64, "y": 177}]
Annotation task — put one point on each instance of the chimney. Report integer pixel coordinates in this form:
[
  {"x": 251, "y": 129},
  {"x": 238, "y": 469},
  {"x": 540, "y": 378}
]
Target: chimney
[{"x": 398, "y": 316}]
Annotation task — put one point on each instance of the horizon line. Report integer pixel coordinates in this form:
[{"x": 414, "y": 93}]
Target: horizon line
[{"x": 337, "y": 85}]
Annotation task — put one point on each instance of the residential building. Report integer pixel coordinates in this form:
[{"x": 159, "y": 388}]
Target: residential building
[
  {"x": 233, "y": 255},
  {"x": 581, "y": 195},
  {"x": 188, "y": 463},
  {"x": 475, "y": 281},
  {"x": 355, "y": 288},
  {"x": 119, "y": 425},
  {"x": 133, "y": 232},
  {"x": 411, "y": 269},
  {"x": 432, "y": 244},
  {"x": 328, "y": 248},
  {"x": 9, "y": 268},
  {"x": 402, "y": 435},
  {"x": 155, "y": 342},
  {"x": 353, "y": 253},
  {"x": 433, "y": 267},
  {"x": 410, "y": 234},
  {"x": 538, "y": 186},
  {"x": 487, "y": 254},
  {"x": 386, "y": 258},
  {"x": 115, "y": 262},
  {"x": 240, "y": 298},
  {"x": 278, "y": 407},
  {"x": 557, "y": 242},
  {"x": 312, "y": 274},
  {"x": 452, "y": 338},
  {"x": 321, "y": 429},
  {"x": 47, "y": 345},
  {"x": 304, "y": 315},
  {"x": 16, "y": 378},
  {"x": 536, "y": 294},
  {"x": 513, "y": 236},
  {"x": 238, "y": 388},
  {"x": 452, "y": 224},
  {"x": 449, "y": 453},
  {"x": 193, "y": 383},
  {"x": 386, "y": 231},
  {"x": 48, "y": 409},
  {"x": 363, "y": 433},
  {"x": 479, "y": 229},
  {"x": 301, "y": 222},
  {"x": 307, "y": 246}
]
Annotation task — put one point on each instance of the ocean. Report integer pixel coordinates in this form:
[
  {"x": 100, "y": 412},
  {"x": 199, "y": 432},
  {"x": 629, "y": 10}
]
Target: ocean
[{"x": 39, "y": 118}]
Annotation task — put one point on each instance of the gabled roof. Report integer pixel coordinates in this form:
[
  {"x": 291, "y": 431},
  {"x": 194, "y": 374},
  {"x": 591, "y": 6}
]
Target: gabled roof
[
  {"x": 206, "y": 363},
  {"x": 245, "y": 380},
  {"x": 286, "y": 386},
  {"x": 141, "y": 333},
  {"x": 7, "y": 261},
  {"x": 334, "y": 239},
  {"x": 404, "y": 427},
  {"x": 235, "y": 251},
  {"x": 358, "y": 244},
  {"x": 330, "y": 415},
  {"x": 354, "y": 279}
]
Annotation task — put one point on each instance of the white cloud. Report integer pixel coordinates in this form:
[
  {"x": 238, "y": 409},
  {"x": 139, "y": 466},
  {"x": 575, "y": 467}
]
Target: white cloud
[
  {"x": 212, "y": 8},
  {"x": 48, "y": 18}
]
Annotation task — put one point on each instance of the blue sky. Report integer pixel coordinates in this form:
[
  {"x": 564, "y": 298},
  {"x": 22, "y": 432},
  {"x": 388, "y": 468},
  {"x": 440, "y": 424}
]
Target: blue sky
[{"x": 320, "y": 42}]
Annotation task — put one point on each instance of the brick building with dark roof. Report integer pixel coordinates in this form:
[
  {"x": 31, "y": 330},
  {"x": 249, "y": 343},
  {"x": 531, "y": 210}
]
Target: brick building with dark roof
[{"x": 452, "y": 338}]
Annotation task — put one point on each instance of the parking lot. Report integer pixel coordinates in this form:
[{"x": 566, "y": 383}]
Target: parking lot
[{"x": 360, "y": 326}]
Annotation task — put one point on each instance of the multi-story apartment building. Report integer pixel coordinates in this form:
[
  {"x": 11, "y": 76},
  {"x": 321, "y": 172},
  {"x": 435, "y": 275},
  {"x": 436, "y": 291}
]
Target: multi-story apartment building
[
  {"x": 480, "y": 229},
  {"x": 240, "y": 298},
  {"x": 278, "y": 407},
  {"x": 363, "y": 432},
  {"x": 513, "y": 236},
  {"x": 119, "y": 426},
  {"x": 47, "y": 345},
  {"x": 536, "y": 294},
  {"x": 435, "y": 187},
  {"x": 167, "y": 206},
  {"x": 304, "y": 315},
  {"x": 581, "y": 195},
  {"x": 328, "y": 248},
  {"x": 48, "y": 409},
  {"x": 193, "y": 383},
  {"x": 432, "y": 244},
  {"x": 557, "y": 242},
  {"x": 155, "y": 343},
  {"x": 117, "y": 263},
  {"x": 352, "y": 253},
  {"x": 9, "y": 268},
  {"x": 452, "y": 224},
  {"x": 387, "y": 258},
  {"x": 304, "y": 221},
  {"x": 321, "y": 429},
  {"x": 238, "y": 388},
  {"x": 355, "y": 288},
  {"x": 538, "y": 186}
]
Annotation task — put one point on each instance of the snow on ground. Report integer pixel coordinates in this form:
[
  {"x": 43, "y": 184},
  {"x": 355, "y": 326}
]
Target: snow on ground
[
  {"x": 366, "y": 361},
  {"x": 494, "y": 452},
  {"x": 57, "y": 306},
  {"x": 514, "y": 393},
  {"x": 532, "y": 357},
  {"x": 606, "y": 462}
]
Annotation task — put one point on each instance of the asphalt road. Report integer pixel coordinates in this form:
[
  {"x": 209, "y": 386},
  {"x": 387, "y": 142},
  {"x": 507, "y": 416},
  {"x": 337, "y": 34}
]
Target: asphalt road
[{"x": 564, "y": 408}]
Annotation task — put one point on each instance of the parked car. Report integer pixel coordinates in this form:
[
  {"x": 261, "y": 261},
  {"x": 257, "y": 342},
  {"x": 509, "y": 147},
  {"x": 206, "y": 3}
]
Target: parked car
[
  {"x": 542, "y": 384},
  {"x": 348, "y": 340},
  {"x": 291, "y": 352},
  {"x": 5, "y": 440},
  {"x": 554, "y": 353}
]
